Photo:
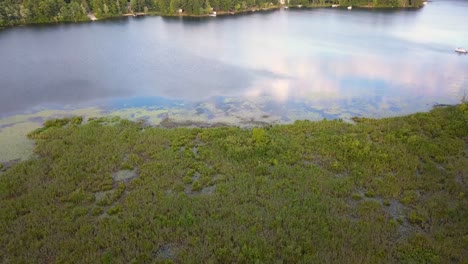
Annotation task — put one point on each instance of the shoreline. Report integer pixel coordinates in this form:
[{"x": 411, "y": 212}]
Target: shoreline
[
  {"x": 16, "y": 145},
  {"x": 218, "y": 13}
]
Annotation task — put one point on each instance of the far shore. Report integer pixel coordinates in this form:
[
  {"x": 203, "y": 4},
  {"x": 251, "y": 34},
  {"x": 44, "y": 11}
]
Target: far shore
[
  {"x": 92, "y": 18},
  {"x": 262, "y": 9}
]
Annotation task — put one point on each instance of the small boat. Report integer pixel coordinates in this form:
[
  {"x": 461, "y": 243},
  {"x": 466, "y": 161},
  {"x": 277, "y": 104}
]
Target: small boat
[
  {"x": 286, "y": 7},
  {"x": 300, "y": 6},
  {"x": 424, "y": 3},
  {"x": 335, "y": 5},
  {"x": 461, "y": 50},
  {"x": 212, "y": 14},
  {"x": 350, "y": 7}
]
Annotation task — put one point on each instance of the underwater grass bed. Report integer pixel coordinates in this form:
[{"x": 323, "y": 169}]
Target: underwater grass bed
[{"x": 115, "y": 191}]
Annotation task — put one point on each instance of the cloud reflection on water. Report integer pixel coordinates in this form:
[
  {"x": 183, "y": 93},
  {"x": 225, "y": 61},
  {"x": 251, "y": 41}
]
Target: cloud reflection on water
[{"x": 365, "y": 77}]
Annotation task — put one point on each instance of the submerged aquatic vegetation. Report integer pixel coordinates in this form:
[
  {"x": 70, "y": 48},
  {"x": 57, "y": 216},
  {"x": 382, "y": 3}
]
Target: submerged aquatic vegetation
[{"x": 386, "y": 190}]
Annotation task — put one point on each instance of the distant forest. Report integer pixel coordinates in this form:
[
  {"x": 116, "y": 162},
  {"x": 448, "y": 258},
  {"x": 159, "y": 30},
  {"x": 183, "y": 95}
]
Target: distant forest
[{"x": 15, "y": 12}]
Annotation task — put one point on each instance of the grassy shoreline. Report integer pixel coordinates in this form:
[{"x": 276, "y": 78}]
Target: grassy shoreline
[{"x": 114, "y": 191}]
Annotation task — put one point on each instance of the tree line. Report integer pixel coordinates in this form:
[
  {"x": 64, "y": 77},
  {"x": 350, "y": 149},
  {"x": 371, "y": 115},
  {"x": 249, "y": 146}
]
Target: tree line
[{"x": 15, "y": 12}]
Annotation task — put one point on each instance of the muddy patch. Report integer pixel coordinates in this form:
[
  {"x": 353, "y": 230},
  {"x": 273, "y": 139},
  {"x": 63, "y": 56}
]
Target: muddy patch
[
  {"x": 208, "y": 190},
  {"x": 103, "y": 194},
  {"x": 196, "y": 188},
  {"x": 166, "y": 252},
  {"x": 460, "y": 179},
  {"x": 125, "y": 175},
  {"x": 393, "y": 209},
  {"x": 6, "y": 165},
  {"x": 10, "y": 163},
  {"x": 169, "y": 123}
]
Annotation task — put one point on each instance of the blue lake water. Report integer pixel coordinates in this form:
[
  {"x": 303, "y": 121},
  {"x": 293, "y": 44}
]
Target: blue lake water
[{"x": 289, "y": 64}]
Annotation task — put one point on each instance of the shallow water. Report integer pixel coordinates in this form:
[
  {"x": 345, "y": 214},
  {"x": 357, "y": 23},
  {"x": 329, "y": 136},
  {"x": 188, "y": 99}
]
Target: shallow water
[{"x": 272, "y": 67}]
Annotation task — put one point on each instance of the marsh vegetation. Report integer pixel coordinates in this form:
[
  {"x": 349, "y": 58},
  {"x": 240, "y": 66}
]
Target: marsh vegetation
[{"x": 115, "y": 191}]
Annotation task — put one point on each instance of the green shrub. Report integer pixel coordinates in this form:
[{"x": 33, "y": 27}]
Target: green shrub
[
  {"x": 79, "y": 196},
  {"x": 187, "y": 179},
  {"x": 114, "y": 210},
  {"x": 107, "y": 258},
  {"x": 259, "y": 135},
  {"x": 196, "y": 186},
  {"x": 56, "y": 122},
  {"x": 76, "y": 120},
  {"x": 96, "y": 211},
  {"x": 105, "y": 201},
  {"x": 409, "y": 197},
  {"x": 386, "y": 202},
  {"x": 79, "y": 211},
  {"x": 414, "y": 218},
  {"x": 126, "y": 166},
  {"x": 356, "y": 196},
  {"x": 191, "y": 172}
]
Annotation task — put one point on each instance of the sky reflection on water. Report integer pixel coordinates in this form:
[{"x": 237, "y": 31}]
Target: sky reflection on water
[{"x": 294, "y": 64}]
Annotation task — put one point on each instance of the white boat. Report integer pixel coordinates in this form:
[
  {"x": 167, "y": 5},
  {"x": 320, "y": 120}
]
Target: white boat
[
  {"x": 350, "y": 7},
  {"x": 286, "y": 7},
  {"x": 212, "y": 14},
  {"x": 461, "y": 50},
  {"x": 335, "y": 5},
  {"x": 299, "y": 6}
]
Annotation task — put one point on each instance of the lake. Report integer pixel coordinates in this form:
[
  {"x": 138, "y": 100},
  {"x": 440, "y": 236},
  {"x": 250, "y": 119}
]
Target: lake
[{"x": 276, "y": 66}]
